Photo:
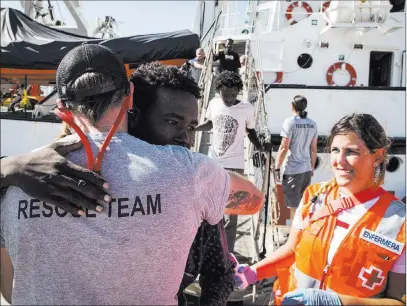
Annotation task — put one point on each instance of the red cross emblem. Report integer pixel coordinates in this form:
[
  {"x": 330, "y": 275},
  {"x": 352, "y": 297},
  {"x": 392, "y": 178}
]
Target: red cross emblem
[{"x": 371, "y": 277}]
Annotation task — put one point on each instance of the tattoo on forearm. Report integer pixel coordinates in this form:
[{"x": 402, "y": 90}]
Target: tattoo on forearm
[{"x": 242, "y": 200}]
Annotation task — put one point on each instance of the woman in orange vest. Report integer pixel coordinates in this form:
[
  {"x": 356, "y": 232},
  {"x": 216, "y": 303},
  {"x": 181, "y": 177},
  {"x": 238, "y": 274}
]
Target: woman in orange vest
[{"x": 347, "y": 241}]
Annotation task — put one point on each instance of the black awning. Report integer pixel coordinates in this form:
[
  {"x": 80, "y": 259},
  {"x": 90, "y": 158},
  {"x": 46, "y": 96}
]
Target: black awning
[{"x": 27, "y": 44}]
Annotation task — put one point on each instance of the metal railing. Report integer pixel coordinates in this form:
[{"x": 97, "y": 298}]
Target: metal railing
[{"x": 205, "y": 82}]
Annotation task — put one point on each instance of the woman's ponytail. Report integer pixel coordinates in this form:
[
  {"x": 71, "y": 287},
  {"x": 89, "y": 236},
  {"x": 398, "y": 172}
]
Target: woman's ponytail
[{"x": 303, "y": 114}]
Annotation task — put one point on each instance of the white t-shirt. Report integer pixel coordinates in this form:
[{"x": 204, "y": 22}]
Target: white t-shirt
[
  {"x": 229, "y": 127},
  {"x": 347, "y": 217}
]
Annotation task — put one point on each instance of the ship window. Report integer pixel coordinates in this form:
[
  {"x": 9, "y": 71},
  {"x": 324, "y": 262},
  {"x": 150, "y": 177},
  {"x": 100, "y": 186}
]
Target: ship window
[
  {"x": 393, "y": 164},
  {"x": 380, "y": 68},
  {"x": 304, "y": 60}
]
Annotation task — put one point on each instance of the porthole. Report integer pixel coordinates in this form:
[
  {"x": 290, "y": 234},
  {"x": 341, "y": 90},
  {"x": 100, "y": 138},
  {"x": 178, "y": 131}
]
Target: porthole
[
  {"x": 304, "y": 60},
  {"x": 393, "y": 164}
]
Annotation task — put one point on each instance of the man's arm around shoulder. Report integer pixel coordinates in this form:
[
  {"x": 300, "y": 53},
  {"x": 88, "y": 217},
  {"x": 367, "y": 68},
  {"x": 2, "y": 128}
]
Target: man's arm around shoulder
[
  {"x": 215, "y": 189},
  {"x": 244, "y": 197}
]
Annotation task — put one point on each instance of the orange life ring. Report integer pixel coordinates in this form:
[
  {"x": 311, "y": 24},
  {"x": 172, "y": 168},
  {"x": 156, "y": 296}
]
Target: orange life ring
[
  {"x": 288, "y": 12},
  {"x": 337, "y": 66},
  {"x": 325, "y": 5},
  {"x": 279, "y": 76}
]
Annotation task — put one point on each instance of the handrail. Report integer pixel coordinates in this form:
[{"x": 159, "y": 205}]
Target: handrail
[{"x": 205, "y": 81}]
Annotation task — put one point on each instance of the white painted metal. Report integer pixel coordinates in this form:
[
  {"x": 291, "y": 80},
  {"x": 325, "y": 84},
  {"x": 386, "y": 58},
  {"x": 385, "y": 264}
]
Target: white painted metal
[
  {"x": 341, "y": 43},
  {"x": 19, "y": 136},
  {"x": 327, "y": 106}
]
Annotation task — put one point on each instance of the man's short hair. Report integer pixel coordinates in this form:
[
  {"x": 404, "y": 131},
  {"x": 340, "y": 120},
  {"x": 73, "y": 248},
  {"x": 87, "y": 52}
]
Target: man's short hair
[
  {"x": 150, "y": 77},
  {"x": 90, "y": 79},
  {"x": 230, "y": 39}
]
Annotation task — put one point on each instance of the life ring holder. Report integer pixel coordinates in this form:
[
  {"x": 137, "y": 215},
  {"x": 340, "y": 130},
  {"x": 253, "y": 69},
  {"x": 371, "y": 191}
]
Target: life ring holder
[
  {"x": 290, "y": 8},
  {"x": 338, "y": 66}
]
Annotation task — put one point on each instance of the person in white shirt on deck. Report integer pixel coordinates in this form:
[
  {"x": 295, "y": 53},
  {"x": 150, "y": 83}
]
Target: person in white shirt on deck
[{"x": 230, "y": 118}]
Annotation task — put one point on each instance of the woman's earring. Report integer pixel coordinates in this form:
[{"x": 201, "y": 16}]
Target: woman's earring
[
  {"x": 376, "y": 173},
  {"x": 131, "y": 118}
]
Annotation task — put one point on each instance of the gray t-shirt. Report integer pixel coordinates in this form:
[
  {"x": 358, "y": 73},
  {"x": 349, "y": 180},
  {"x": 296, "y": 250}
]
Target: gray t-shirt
[
  {"x": 301, "y": 132},
  {"x": 134, "y": 253},
  {"x": 195, "y": 72}
]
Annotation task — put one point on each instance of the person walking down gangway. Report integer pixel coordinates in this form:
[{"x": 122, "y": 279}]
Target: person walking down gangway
[{"x": 230, "y": 118}]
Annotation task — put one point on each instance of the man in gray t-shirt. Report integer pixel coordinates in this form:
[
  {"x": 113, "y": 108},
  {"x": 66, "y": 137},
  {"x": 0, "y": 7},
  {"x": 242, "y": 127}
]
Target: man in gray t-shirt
[
  {"x": 197, "y": 65},
  {"x": 299, "y": 140},
  {"x": 133, "y": 253}
]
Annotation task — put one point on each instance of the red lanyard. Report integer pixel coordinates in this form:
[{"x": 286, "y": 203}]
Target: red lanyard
[{"x": 94, "y": 165}]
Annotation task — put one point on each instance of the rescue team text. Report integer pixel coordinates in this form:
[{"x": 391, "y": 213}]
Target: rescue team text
[
  {"x": 120, "y": 207},
  {"x": 304, "y": 126}
]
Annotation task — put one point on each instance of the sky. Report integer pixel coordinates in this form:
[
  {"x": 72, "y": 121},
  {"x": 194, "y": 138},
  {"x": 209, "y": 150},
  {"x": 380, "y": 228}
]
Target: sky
[{"x": 133, "y": 17}]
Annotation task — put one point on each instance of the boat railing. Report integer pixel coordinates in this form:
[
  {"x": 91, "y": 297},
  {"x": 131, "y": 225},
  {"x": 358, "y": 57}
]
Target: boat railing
[
  {"x": 205, "y": 83},
  {"x": 362, "y": 15},
  {"x": 259, "y": 165}
]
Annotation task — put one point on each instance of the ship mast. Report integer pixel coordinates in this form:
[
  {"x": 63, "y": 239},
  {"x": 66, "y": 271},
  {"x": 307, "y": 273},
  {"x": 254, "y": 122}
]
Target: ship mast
[{"x": 35, "y": 10}]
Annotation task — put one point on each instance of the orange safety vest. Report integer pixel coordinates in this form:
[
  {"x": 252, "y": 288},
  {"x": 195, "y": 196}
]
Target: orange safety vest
[{"x": 361, "y": 264}]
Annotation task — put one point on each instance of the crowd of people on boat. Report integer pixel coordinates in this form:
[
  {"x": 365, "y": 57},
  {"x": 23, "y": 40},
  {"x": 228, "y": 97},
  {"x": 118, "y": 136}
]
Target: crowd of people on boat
[{"x": 139, "y": 223}]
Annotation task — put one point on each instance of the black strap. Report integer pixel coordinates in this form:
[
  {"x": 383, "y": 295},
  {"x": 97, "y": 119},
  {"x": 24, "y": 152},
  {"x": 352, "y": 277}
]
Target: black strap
[{"x": 4, "y": 189}]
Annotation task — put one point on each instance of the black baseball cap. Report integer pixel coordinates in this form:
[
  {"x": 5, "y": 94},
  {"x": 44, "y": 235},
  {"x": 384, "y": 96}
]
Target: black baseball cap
[{"x": 90, "y": 58}]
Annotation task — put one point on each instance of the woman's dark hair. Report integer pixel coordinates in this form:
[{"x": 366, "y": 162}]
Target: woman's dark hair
[
  {"x": 150, "y": 77},
  {"x": 368, "y": 129},
  {"x": 300, "y": 104},
  {"x": 228, "y": 79}
]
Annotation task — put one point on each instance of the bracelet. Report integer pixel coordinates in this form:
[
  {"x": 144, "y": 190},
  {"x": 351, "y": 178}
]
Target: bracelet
[{"x": 277, "y": 170}]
